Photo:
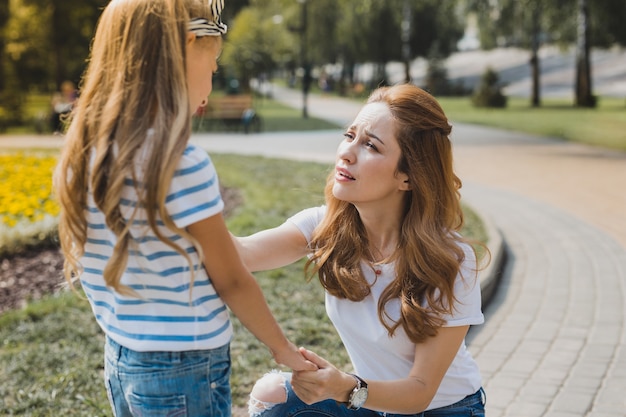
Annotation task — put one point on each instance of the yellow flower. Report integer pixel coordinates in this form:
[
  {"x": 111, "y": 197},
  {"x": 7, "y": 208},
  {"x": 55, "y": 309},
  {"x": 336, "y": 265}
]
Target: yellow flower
[{"x": 26, "y": 188}]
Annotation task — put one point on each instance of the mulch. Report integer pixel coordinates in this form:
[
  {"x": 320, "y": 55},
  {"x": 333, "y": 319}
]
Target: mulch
[
  {"x": 29, "y": 275},
  {"x": 34, "y": 272}
]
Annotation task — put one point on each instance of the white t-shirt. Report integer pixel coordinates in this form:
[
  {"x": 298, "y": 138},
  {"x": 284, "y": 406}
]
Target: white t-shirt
[
  {"x": 377, "y": 356},
  {"x": 167, "y": 316}
]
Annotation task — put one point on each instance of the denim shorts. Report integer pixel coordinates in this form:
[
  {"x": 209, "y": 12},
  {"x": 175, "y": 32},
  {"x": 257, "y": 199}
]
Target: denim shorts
[
  {"x": 191, "y": 383},
  {"x": 471, "y": 406}
]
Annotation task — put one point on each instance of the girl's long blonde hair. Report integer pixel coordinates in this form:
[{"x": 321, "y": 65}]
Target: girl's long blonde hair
[
  {"x": 429, "y": 257},
  {"x": 135, "y": 82}
]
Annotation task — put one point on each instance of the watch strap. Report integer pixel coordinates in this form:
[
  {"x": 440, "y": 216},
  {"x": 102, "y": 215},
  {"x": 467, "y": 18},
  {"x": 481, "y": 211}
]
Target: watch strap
[
  {"x": 360, "y": 386},
  {"x": 360, "y": 383}
]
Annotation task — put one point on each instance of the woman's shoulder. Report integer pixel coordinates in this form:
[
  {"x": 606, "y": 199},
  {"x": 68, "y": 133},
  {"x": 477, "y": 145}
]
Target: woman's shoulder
[
  {"x": 465, "y": 245},
  {"x": 307, "y": 220},
  {"x": 315, "y": 214}
]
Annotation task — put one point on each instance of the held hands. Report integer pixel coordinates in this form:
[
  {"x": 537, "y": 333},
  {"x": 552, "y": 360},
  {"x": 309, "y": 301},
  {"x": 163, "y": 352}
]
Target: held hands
[
  {"x": 293, "y": 358},
  {"x": 321, "y": 384}
]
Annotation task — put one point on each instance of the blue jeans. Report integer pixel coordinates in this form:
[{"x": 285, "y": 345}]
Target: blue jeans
[
  {"x": 471, "y": 406},
  {"x": 175, "y": 384}
]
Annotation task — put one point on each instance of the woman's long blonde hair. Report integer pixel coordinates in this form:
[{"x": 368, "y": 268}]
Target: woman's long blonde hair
[
  {"x": 429, "y": 256},
  {"x": 135, "y": 82}
]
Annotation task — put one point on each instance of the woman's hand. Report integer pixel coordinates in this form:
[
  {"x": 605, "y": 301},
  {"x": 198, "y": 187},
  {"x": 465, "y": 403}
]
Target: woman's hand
[
  {"x": 292, "y": 357},
  {"x": 327, "y": 382}
]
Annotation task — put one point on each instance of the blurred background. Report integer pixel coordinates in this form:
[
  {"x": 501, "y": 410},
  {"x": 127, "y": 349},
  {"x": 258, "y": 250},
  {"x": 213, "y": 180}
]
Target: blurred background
[{"x": 572, "y": 49}]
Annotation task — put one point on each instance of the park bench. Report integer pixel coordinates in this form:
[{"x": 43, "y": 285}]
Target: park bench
[{"x": 232, "y": 111}]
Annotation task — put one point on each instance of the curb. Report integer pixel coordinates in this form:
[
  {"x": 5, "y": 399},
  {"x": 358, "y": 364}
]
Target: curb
[{"x": 490, "y": 276}]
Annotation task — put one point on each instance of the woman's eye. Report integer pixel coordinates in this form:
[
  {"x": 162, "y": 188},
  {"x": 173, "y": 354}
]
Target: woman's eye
[
  {"x": 371, "y": 145},
  {"x": 348, "y": 136}
]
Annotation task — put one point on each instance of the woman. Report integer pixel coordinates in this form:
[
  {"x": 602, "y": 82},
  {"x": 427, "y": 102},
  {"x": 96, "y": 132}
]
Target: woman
[{"x": 401, "y": 282}]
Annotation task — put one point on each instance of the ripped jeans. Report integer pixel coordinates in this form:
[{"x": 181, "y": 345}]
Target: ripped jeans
[{"x": 471, "y": 406}]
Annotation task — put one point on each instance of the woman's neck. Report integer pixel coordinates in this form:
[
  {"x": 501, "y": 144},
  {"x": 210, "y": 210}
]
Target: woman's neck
[{"x": 383, "y": 231}]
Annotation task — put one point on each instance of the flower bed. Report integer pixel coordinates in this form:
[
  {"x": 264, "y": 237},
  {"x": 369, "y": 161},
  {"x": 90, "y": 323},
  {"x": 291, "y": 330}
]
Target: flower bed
[{"x": 28, "y": 211}]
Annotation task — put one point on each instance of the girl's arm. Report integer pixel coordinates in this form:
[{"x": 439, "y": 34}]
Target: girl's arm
[
  {"x": 240, "y": 291},
  {"x": 403, "y": 396},
  {"x": 272, "y": 248}
]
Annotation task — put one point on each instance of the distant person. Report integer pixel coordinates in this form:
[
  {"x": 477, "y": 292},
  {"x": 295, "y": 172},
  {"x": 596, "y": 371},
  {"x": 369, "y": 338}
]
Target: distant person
[
  {"x": 401, "y": 283},
  {"x": 141, "y": 222},
  {"x": 62, "y": 103}
]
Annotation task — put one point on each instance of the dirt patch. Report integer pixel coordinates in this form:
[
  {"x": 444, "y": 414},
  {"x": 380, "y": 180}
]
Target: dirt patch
[{"x": 28, "y": 276}]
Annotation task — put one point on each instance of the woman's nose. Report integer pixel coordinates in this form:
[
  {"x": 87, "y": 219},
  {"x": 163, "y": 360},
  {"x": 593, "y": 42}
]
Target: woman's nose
[{"x": 345, "y": 152}]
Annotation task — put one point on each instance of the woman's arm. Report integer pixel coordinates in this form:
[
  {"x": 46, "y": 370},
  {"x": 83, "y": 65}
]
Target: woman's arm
[
  {"x": 272, "y": 248},
  {"x": 403, "y": 396},
  {"x": 240, "y": 291}
]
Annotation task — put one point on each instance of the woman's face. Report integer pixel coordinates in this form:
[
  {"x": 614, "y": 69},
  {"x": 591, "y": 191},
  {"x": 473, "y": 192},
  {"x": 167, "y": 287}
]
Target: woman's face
[
  {"x": 367, "y": 159},
  {"x": 202, "y": 56}
]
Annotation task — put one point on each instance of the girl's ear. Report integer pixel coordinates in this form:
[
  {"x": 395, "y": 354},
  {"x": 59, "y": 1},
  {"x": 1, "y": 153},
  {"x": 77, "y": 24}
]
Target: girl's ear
[{"x": 191, "y": 37}]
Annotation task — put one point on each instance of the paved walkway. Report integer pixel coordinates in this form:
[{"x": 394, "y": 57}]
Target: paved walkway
[{"x": 553, "y": 343}]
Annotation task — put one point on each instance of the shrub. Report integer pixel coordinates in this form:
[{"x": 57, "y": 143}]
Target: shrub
[
  {"x": 488, "y": 93},
  {"x": 437, "y": 82}
]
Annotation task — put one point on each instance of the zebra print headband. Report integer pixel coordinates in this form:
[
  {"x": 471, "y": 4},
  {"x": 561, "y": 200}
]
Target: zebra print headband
[{"x": 203, "y": 27}]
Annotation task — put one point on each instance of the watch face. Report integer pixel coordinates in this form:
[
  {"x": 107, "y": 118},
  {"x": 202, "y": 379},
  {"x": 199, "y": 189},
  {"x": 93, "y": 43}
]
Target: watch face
[{"x": 358, "y": 397}]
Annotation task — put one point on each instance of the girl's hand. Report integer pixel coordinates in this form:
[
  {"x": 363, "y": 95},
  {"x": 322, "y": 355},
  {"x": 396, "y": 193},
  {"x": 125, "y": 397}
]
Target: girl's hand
[
  {"x": 292, "y": 357},
  {"x": 324, "y": 383}
]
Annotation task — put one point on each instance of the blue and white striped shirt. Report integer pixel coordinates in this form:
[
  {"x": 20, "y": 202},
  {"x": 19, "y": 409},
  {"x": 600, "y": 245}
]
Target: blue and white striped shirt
[{"x": 167, "y": 316}]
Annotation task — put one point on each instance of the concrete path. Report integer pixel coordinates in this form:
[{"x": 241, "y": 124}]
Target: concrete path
[{"x": 553, "y": 343}]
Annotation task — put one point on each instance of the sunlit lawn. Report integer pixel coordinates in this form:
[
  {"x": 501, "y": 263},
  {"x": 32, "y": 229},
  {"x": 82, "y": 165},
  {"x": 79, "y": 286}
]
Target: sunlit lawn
[
  {"x": 603, "y": 126},
  {"x": 51, "y": 352}
]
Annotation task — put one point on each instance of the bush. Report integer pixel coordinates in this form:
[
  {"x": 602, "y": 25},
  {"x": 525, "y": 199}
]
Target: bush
[
  {"x": 11, "y": 109},
  {"x": 437, "y": 82},
  {"x": 488, "y": 93}
]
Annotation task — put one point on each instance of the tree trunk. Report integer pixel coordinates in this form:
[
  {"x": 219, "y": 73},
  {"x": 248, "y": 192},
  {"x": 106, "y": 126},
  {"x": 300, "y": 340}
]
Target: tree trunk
[
  {"x": 406, "y": 45},
  {"x": 535, "y": 68},
  {"x": 584, "y": 96},
  {"x": 4, "y": 18}
]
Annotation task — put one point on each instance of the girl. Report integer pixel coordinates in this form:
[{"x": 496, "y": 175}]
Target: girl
[
  {"x": 141, "y": 222},
  {"x": 401, "y": 283}
]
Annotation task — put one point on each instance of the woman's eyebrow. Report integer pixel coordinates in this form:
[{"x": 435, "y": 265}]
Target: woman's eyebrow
[{"x": 372, "y": 135}]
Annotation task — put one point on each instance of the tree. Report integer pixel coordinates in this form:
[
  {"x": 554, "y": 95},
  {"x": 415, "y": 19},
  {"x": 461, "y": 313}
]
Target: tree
[
  {"x": 372, "y": 31},
  {"x": 514, "y": 22},
  {"x": 48, "y": 41},
  {"x": 256, "y": 43},
  {"x": 584, "y": 95},
  {"x": 586, "y": 24}
]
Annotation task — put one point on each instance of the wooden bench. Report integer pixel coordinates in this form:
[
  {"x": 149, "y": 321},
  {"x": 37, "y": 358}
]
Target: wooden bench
[{"x": 232, "y": 111}]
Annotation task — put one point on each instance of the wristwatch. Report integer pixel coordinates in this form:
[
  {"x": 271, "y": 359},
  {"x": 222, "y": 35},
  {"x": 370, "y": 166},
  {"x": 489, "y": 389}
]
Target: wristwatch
[{"x": 358, "y": 396}]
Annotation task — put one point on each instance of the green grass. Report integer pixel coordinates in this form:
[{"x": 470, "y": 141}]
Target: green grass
[
  {"x": 278, "y": 117},
  {"x": 51, "y": 360},
  {"x": 604, "y": 126},
  {"x": 51, "y": 352}
]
